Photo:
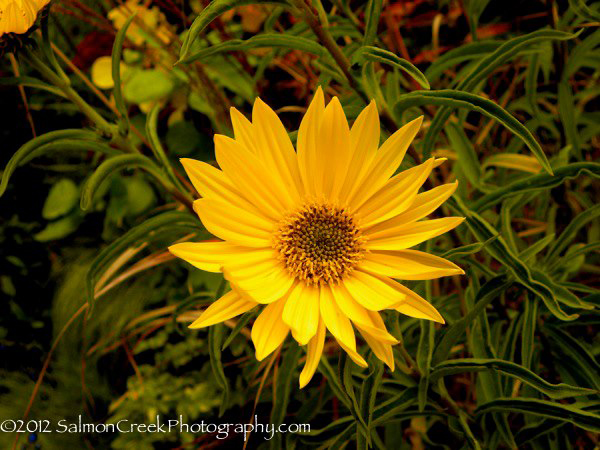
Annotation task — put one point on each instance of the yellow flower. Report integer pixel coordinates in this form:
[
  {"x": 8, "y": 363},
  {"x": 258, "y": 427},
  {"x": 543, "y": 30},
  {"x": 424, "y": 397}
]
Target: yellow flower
[
  {"x": 317, "y": 236},
  {"x": 153, "y": 20},
  {"x": 17, "y": 16}
]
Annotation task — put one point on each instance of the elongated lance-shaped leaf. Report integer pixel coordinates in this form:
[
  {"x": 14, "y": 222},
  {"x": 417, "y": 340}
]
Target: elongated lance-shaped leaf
[
  {"x": 555, "y": 391},
  {"x": 372, "y": 15},
  {"x": 567, "y": 236},
  {"x": 484, "y": 296},
  {"x": 500, "y": 250},
  {"x": 113, "y": 165},
  {"x": 459, "y": 99},
  {"x": 369, "y": 390},
  {"x": 173, "y": 221},
  {"x": 375, "y": 54},
  {"x": 266, "y": 40},
  {"x": 574, "y": 355},
  {"x": 536, "y": 182},
  {"x": 467, "y": 157},
  {"x": 210, "y": 13},
  {"x": 543, "y": 408},
  {"x": 484, "y": 68},
  {"x": 528, "y": 331},
  {"x": 215, "y": 341},
  {"x": 285, "y": 374},
  {"x": 117, "y": 52},
  {"x": 72, "y": 139}
]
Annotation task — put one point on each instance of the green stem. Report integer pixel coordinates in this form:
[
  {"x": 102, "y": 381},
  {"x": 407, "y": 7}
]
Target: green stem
[{"x": 102, "y": 124}]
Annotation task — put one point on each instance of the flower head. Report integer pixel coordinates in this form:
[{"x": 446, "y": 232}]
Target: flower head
[
  {"x": 17, "y": 16},
  {"x": 317, "y": 237}
]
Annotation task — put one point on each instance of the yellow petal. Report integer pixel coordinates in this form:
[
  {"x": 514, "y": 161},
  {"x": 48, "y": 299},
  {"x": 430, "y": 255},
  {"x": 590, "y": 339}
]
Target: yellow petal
[
  {"x": 308, "y": 157},
  {"x": 234, "y": 224},
  {"x": 361, "y": 316},
  {"x": 211, "y": 182},
  {"x": 364, "y": 141},
  {"x": 269, "y": 331},
  {"x": 380, "y": 237},
  {"x": 228, "y": 306},
  {"x": 210, "y": 256},
  {"x": 301, "y": 312},
  {"x": 386, "y": 161},
  {"x": 268, "y": 288},
  {"x": 409, "y": 265},
  {"x": 411, "y": 304},
  {"x": 313, "y": 355},
  {"x": 249, "y": 175},
  {"x": 382, "y": 350},
  {"x": 424, "y": 204},
  {"x": 396, "y": 196},
  {"x": 336, "y": 321},
  {"x": 370, "y": 292},
  {"x": 242, "y": 130},
  {"x": 334, "y": 151},
  {"x": 275, "y": 150}
]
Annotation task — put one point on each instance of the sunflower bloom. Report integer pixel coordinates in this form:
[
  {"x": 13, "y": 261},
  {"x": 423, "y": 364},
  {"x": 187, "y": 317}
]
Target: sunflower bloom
[
  {"x": 17, "y": 16},
  {"x": 317, "y": 237}
]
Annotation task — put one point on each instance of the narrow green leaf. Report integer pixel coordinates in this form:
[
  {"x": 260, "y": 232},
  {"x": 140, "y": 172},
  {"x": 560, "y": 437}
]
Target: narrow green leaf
[
  {"x": 573, "y": 354},
  {"x": 528, "y": 332},
  {"x": 266, "y": 40},
  {"x": 537, "y": 182},
  {"x": 372, "y": 15},
  {"x": 380, "y": 55},
  {"x": 210, "y": 13},
  {"x": 73, "y": 139},
  {"x": 215, "y": 340},
  {"x": 369, "y": 389},
  {"x": 117, "y": 53},
  {"x": 113, "y": 165},
  {"x": 483, "y": 69},
  {"x": 238, "y": 327},
  {"x": 567, "y": 236},
  {"x": 459, "y": 99},
  {"x": 485, "y": 295},
  {"x": 555, "y": 391},
  {"x": 467, "y": 157},
  {"x": 543, "y": 408},
  {"x": 285, "y": 379}
]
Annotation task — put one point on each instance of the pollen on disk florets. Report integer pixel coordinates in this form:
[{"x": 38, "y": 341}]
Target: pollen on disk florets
[{"x": 319, "y": 244}]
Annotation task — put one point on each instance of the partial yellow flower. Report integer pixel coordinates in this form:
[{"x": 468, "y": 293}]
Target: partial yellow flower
[
  {"x": 17, "y": 16},
  {"x": 317, "y": 237},
  {"x": 153, "y": 19}
]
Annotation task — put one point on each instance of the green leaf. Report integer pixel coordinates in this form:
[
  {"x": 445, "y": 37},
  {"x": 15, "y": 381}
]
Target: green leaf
[
  {"x": 380, "y": 55},
  {"x": 372, "y": 15},
  {"x": 215, "y": 341},
  {"x": 575, "y": 355},
  {"x": 468, "y": 249},
  {"x": 500, "y": 250},
  {"x": 76, "y": 139},
  {"x": 283, "y": 384},
  {"x": 265, "y": 40},
  {"x": 485, "y": 67},
  {"x": 113, "y": 165},
  {"x": 61, "y": 199},
  {"x": 567, "y": 113},
  {"x": 555, "y": 391},
  {"x": 210, "y": 13},
  {"x": 485, "y": 295},
  {"x": 537, "y": 182},
  {"x": 567, "y": 236},
  {"x": 467, "y": 157},
  {"x": 458, "y": 99},
  {"x": 173, "y": 221},
  {"x": 528, "y": 332},
  {"x": 460, "y": 54},
  {"x": 543, "y": 408},
  {"x": 59, "y": 228},
  {"x": 117, "y": 53},
  {"x": 369, "y": 389},
  {"x": 147, "y": 85}
]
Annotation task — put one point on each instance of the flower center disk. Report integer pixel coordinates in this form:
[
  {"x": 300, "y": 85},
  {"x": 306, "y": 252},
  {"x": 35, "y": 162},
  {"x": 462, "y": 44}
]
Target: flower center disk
[{"x": 320, "y": 244}]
